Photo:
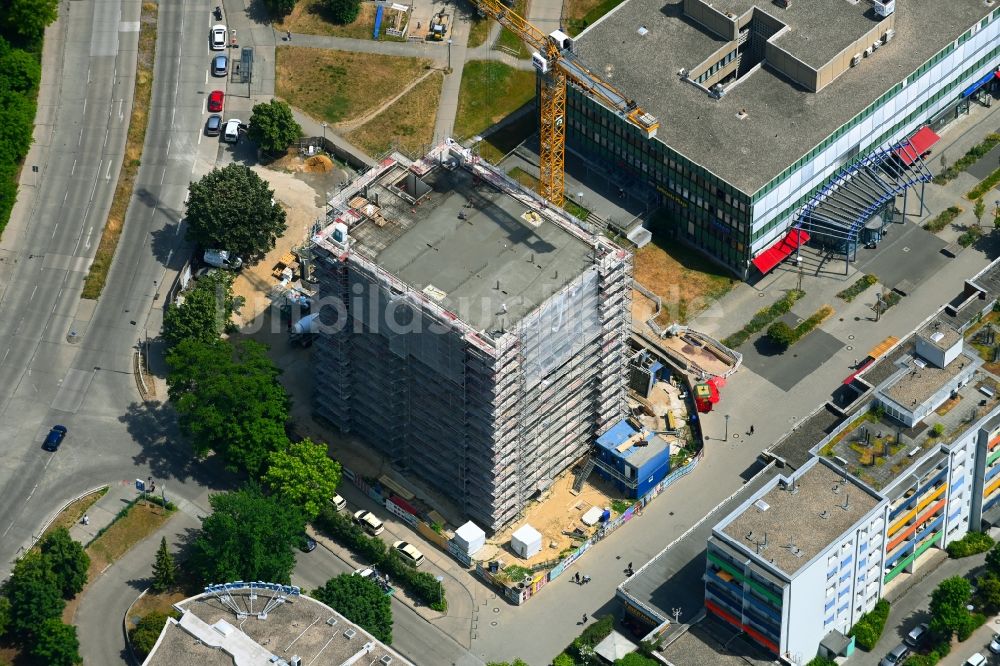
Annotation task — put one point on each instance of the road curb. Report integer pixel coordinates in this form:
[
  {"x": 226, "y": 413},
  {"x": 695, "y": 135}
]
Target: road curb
[{"x": 128, "y": 643}]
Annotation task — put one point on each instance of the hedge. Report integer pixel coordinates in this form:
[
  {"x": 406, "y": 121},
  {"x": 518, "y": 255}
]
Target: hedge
[
  {"x": 968, "y": 159},
  {"x": 972, "y": 543},
  {"x": 970, "y": 236},
  {"x": 857, "y": 288},
  {"x": 784, "y": 336},
  {"x": 821, "y": 661},
  {"x": 943, "y": 219},
  {"x": 869, "y": 628},
  {"x": 420, "y": 584},
  {"x": 763, "y": 318},
  {"x": 975, "y": 621},
  {"x": 984, "y": 185}
]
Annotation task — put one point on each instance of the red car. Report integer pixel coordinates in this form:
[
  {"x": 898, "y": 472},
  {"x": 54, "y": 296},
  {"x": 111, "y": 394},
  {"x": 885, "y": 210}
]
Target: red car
[{"x": 215, "y": 100}]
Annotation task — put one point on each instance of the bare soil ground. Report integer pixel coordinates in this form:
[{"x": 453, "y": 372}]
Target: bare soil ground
[
  {"x": 559, "y": 510},
  {"x": 407, "y": 124},
  {"x": 687, "y": 283}
]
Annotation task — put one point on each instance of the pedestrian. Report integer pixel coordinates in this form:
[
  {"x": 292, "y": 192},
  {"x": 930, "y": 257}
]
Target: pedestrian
[
  {"x": 584, "y": 619},
  {"x": 289, "y": 35},
  {"x": 86, "y": 519},
  {"x": 751, "y": 428},
  {"x": 576, "y": 578},
  {"x": 630, "y": 566}
]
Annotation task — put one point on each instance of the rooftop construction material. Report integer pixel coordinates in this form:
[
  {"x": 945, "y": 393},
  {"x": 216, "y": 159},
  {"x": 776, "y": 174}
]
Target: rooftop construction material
[{"x": 482, "y": 342}]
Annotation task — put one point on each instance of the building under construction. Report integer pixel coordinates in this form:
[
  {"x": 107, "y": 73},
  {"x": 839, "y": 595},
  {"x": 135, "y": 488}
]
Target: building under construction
[{"x": 482, "y": 342}]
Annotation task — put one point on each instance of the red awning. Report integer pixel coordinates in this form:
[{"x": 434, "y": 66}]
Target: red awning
[
  {"x": 918, "y": 144},
  {"x": 778, "y": 252},
  {"x": 861, "y": 368}
]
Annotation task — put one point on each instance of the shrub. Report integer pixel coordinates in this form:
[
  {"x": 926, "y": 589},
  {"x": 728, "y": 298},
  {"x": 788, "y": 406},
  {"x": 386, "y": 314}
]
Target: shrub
[
  {"x": 343, "y": 12},
  {"x": 974, "y": 621},
  {"x": 967, "y": 160},
  {"x": 970, "y": 236},
  {"x": 983, "y": 187},
  {"x": 938, "y": 429},
  {"x": 971, "y": 544},
  {"x": 147, "y": 630},
  {"x": 869, "y": 628},
  {"x": 764, "y": 317},
  {"x": 821, "y": 661},
  {"x": 859, "y": 286},
  {"x": 781, "y": 334},
  {"x": 943, "y": 219}
]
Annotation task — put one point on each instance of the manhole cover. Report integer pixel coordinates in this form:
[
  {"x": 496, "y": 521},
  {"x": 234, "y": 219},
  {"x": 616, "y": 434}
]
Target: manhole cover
[
  {"x": 736, "y": 435},
  {"x": 496, "y": 610},
  {"x": 494, "y": 623},
  {"x": 850, "y": 347},
  {"x": 906, "y": 249},
  {"x": 850, "y": 337},
  {"x": 760, "y": 294}
]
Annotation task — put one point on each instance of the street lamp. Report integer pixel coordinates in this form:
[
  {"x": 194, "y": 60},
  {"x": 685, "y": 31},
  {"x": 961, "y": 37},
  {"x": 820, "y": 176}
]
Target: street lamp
[
  {"x": 449, "y": 55},
  {"x": 440, "y": 579},
  {"x": 727, "y": 427},
  {"x": 324, "y": 136},
  {"x": 996, "y": 213}
]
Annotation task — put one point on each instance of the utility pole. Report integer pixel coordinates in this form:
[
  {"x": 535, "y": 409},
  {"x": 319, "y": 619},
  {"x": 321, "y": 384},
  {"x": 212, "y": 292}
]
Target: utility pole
[{"x": 727, "y": 427}]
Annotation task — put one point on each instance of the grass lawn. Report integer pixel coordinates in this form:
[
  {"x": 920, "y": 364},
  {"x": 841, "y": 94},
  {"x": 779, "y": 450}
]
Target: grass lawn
[
  {"x": 143, "y": 519},
  {"x": 523, "y": 177},
  {"x": 685, "y": 280},
  {"x": 490, "y": 90},
  {"x": 337, "y": 85},
  {"x": 310, "y": 18},
  {"x": 578, "y": 14},
  {"x": 508, "y": 39},
  {"x": 479, "y": 31},
  {"x": 408, "y": 122},
  {"x": 494, "y": 147}
]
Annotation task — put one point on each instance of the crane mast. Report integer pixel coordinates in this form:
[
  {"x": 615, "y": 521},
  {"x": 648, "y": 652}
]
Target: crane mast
[{"x": 556, "y": 62}]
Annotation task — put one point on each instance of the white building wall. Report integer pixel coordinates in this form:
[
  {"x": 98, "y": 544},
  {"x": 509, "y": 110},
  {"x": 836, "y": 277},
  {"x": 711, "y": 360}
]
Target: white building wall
[
  {"x": 777, "y": 202},
  {"x": 960, "y": 486}
]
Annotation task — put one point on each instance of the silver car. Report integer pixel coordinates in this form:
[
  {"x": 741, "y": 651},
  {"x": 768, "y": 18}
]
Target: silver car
[{"x": 896, "y": 656}]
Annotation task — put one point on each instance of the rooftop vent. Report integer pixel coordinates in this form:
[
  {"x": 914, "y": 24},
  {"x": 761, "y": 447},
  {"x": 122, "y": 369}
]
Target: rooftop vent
[
  {"x": 797, "y": 552},
  {"x": 643, "y": 31},
  {"x": 936, "y": 336},
  {"x": 762, "y": 505},
  {"x": 824, "y": 514},
  {"x": 386, "y": 659},
  {"x": 350, "y": 633},
  {"x": 331, "y": 621}
]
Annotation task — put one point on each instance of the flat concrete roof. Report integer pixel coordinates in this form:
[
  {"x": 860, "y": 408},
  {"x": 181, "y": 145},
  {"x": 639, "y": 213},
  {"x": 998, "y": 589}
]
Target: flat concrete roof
[
  {"x": 462, "y": 238},
  {"x": 823, "y": 508},
  {"x": 796, "y": 447},
  {"x": 783, "y": 121},
  {"x": 297, "y": 627},
  {"x": 918, "y": 384},
  {"x": 939, "y": 333}
]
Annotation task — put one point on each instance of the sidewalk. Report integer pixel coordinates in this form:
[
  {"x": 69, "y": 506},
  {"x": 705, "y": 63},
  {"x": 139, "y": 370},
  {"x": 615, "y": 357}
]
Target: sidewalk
[{"x": 103, "y": 511}]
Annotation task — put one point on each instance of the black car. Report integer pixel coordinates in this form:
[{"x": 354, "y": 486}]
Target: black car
[
  {"x": 54, "y": 438},
  {"x": 213, "y": 126},
  {"x": 307, "y": 544}
]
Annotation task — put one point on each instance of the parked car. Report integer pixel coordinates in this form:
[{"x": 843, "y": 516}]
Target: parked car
[
  {"x": 220, "y": 65},
  {"x": 409, "y": 553},
  {"x": 307, "y": 544},
  {"x": 215, "y": 100},
  {"x": 995, "y": 644},
  {"x": 213, "y": 126},
  {"x": 372, "y": 574},
  {"x": 232, "y": 132},
  {"x": 54, "y": 438},
  {"x": 976, "y": 660},
  {"x": 221, "y": 259},
  {"x": 896, "y": 656},
  {"x": 369, "y": 522},
  {"x": 217, "y": 38},
  {"x": 338, "y": 502},
  {"x": 917, "y": 635}
]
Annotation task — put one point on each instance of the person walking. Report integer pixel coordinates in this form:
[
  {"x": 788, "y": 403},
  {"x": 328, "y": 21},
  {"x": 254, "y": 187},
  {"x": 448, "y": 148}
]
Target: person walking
[
  {"x": 288, "y": 33},
  {"x": 576, "y": 578},
  {"x": 86, "y": 519},
  {"x": 584, "y": 619},
  {"x": 751, "y": 428}
]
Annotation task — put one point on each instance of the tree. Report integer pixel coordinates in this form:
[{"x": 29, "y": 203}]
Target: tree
[
  {"x": 781, "y": 335},
  {"x": 273, "y": 127},
  {"x": 205, "y": 312},
  {"x": 27, "y": 18},
  {"x": 4, "y": 614},
  {"x": 229, "y": 400},
  {"x": 361, "y": 601},
  {"x": 35, "y": 594},
  {"x": 948, "y": 606},
  {"x": 993, "y": 560},
  {"x": 164, "y": 569},
  {"x": 304, "y": 475},
  {"x": 635, "y": 659},
  {"x": 280, "y": 8},
  {"x": 249, "y": 536},
  {"x": 17, "y": 122},
  {"x": 233, "y": 209},
  {"x": 68, "y": 560},
  {"x": 987, "y": 594},
  {"x": 979, "y": 209},
  {"x": 563, "y": 659},
  {"x": 56, "y": 644},
  {"x": 146, "y": 632},
  {"x": 343, "y": 11},
  {"x": 19, "y": 70},
  {"x": 516, "y": 662}
]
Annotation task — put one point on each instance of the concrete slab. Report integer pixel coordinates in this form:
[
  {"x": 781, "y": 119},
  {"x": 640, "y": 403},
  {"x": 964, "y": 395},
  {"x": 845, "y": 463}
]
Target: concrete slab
[
  {"x": 74, "y": 388},
  {"x": 986, "y": 164},
  {"x": 908, "y": 253}
]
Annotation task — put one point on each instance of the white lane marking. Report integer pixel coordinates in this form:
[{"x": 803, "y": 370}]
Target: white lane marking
[
  {"x": 172, "y": 114},
  {"x": 71, "y": 172},
  {"x": 206, "y": 77},
  {"x": 85, "y": 105},
  {"x": 56, "y": 303},
  {"x": 107, "y": 174},
  {"x": 32, "y": 297},
  {"x": 168, "y": 146},
  {"x": 4, "y": 356},
  {"x": 199, "y": 138},
  {"x": 94, "y": 189},
  {"x": 89, "y": 231},
  {"x": 106, "y": 133},
  {"x": 65, "y": 196},
  {"x": 80, "y": 140},
  {"x": 163, "y": 175},
  {"x": 169, "y": 254},
  {"x": 121, "y": 111},
  {"x": 54, "y": 230}
]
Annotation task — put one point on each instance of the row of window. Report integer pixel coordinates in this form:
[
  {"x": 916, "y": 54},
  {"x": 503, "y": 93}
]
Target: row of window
[{"x": 705, "y": 76}]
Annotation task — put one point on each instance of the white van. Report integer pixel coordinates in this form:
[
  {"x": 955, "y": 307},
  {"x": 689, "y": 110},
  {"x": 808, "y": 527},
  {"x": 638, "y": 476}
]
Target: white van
[
  {"x": 369, "y": 522},
  {"x": 338, "y": 502},
  {"x": 232, "y": 131}
]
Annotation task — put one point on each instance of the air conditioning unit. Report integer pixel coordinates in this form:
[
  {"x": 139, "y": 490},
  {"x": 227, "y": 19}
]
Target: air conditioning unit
[
  {"x": 386, "y": 660},
  {"x": 296, "y": 660},
  {"x": 876, "y": 45},
  {"x": 868, "y": 51},
  {"x": 350, "y": 633},
  {"x": 855, "y": 59},
  {"x": 889, "y": 34}
]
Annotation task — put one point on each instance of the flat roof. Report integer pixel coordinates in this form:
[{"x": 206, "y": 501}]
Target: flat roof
[
  {"x": 796, "y": 447},
  {"x": 636, "y": 455},
  {"x": 299, "y": 626},
  {"x": 939, "y": 333},
  {"x": 462, "y": 238},
  {"x": 878, "y": 450},
  {"x": 783, "y": 122},
  {"x": 922, "y": 380},
  {"x": 799, "y": 525}
]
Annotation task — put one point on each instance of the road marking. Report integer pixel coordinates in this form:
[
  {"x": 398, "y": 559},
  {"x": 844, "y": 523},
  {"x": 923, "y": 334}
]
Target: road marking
[
  {"x": 55, "y": 229},
  {"x": 85, "y": 105},
  {"x": 107, "y": 175},
  {"x": 56, "y": 303},
  {"x": 65, "y": 196},
  {"x": 106, "y": 133},
  {"x": 4, "y": 356},
  {"x": 168, "y": 146},
  {"x": 94, "y": 189},
  {"x": 162, "y": 176},
  {"x": 89, "y": 231},
  {"x": 171, "y": 252},
  {"x": 8, "y": 528},
  {"x": 172, "y": 114},
  {"x": 121, "y": 112},
  {"x": 71, "y": 172},
  {"x": 80, "y": 140},
  {"x": 36, "y": 485},
  {"x": 199, "y": 138},
  {"x": 206, "y": 77}
]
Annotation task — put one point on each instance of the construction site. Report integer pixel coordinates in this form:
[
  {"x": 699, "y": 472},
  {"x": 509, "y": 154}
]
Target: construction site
[{"x": 474, "y": 335}]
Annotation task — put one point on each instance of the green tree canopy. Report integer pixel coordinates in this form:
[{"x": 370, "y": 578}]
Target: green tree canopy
[
  {"x": 68, "y": 561},
  {"x": 17, "y": 122},
  {"x": 987, "y": 594},
  {"x": 304, "y": 475},
  {"x": 280, "y": 8},
  {"x": 780, "y": 334},
  {"x": 343, "y": 11},
  {"x": 27, "y": 19},
  {"x": 56, "y": 644},
  {"x": 516, "y": 662},
  {"x": 164, "y": 569},
  {"x": 205, "y": 312},
  {"x": 19, "y": 70},
  {"x": 145, "y": 633},
  {"x": 273, "y": 127},
  {"x": 4, "y": 614},
  {"x": 948, "y": 606},
  {"x": 35, "y": 594},
  {"x": 249, "y": 536},
  {"x": 636, "y": 659},
  {"x": 993, "y": 559},
  {"x": 361, "y": 601},
  {"x": 231, "y": 209},
  {"x": 229, "y": 400}
]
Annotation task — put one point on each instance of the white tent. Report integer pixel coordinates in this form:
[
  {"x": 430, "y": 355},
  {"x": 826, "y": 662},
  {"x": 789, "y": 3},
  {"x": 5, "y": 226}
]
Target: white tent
[
  {"x": 614, "y": 647},
  {"x": 470, "y": 538},
  {"x": 526, "y": 541}
]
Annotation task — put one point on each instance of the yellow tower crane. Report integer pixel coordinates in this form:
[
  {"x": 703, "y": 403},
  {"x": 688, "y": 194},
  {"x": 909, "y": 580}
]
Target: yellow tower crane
[{"x": 555, "y": 60}]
